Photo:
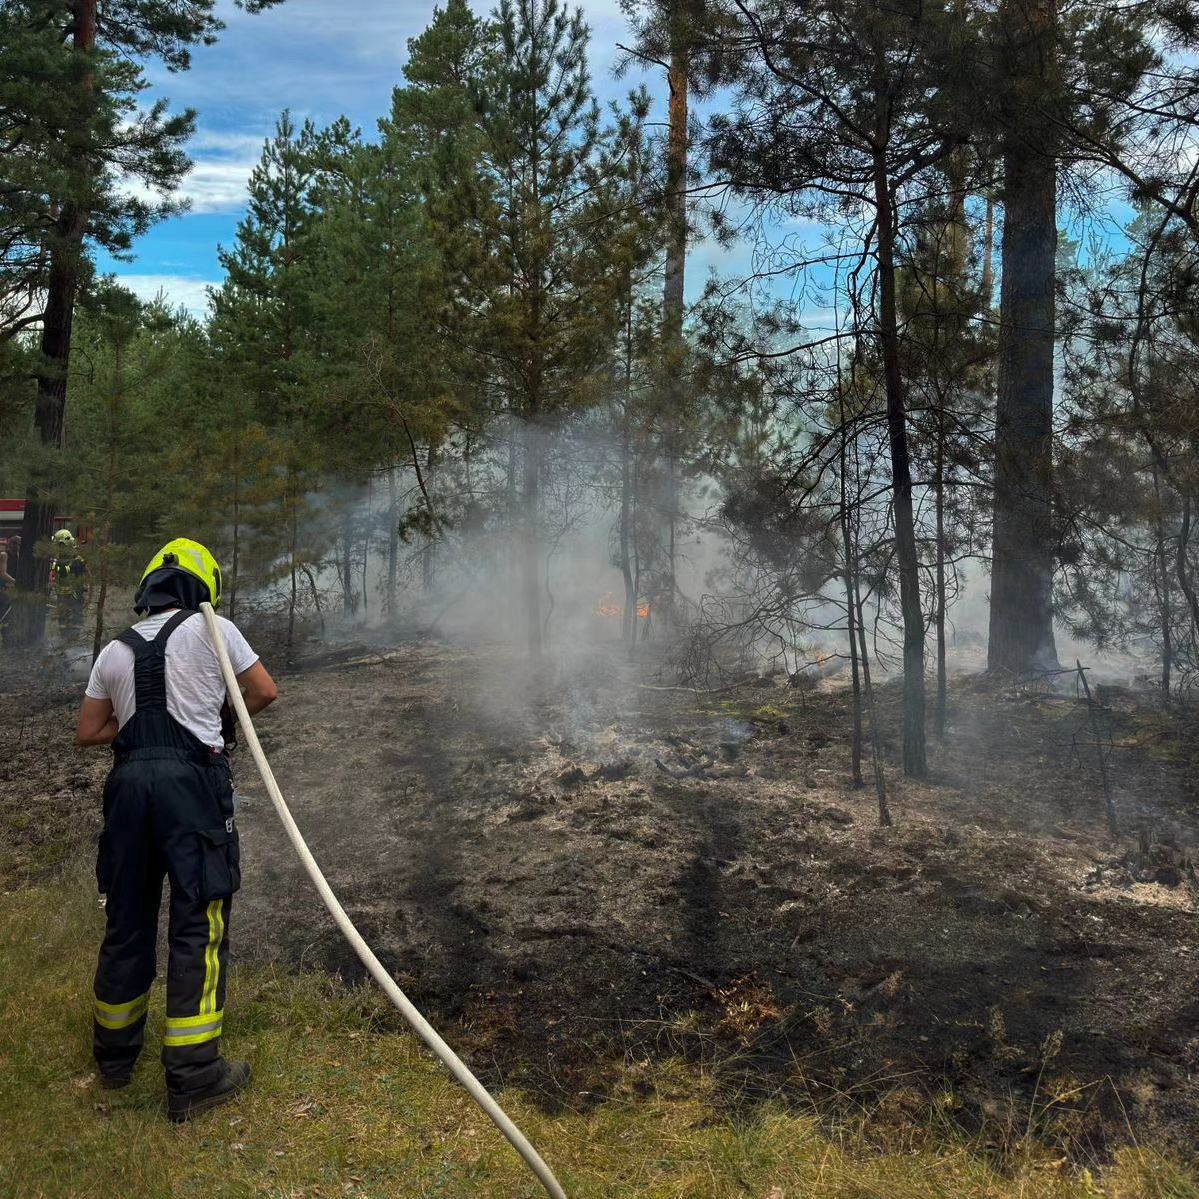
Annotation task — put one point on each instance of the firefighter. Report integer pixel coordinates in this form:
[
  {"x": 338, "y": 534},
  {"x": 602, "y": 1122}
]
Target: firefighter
[
  {"x": 69, "y": 581},
  {"x": 9, "y": 557},
  {"x": 155, "y": 696}
]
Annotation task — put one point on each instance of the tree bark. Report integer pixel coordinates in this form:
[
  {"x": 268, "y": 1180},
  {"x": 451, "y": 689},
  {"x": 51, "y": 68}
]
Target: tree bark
[
  {"x": 629, "y": 620},
  {"x": 393, "y": 542},
  {"x": 988, "y": 279},
  {"x": 1022, "y": 550},
  {"x": 942, "y": 671},
  {"x": 678, "y": 79},
  {"x": 851, "y": 567},
  {"x": 1183, "y": 569},
  {"x": 66, "y": 254},
  {"x": 915, "y": 761},
  {"x": 347, "y": 565},
  {"x": 429, "y": 549},
  {"x": 292, "y": 545},
  {"x": 880, "y": 779},
  {"x": 1162, "y": 583},
  {"x": 531, "y": 502}
]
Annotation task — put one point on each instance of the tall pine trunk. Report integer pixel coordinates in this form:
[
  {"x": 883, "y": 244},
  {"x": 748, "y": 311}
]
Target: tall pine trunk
[
  {"x": 1162, "y": 583},
  {"x": 66, "y": 258},
  {"x": 678, "y": 78},
  {"x": 1021, "y": 633},
  {"x": 915, "y": 762},
  {"x": 101, "y": 596},
  {"x": 988, "y": 280},
  {"x": 531, "y": 504},
  {"x": 429, "y": 549},
  {"x": 393, "y": 542},
  {"x": 348, "y": 604},
  {"x": 293, "y": 566},
  {"x": 851, "y": 567},
  {"x": 629, "y": 620},
  {"x": 942, "y": 670}
]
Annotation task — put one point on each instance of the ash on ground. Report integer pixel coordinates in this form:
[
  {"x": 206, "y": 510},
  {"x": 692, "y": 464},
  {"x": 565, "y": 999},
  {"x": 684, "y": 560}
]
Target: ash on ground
[{"x": 577, "y": 869}]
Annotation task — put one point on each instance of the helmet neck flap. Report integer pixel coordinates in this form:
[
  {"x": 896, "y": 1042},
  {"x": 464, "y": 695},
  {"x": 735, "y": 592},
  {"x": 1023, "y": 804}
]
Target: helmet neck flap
[{"x": 170, "y": 587}]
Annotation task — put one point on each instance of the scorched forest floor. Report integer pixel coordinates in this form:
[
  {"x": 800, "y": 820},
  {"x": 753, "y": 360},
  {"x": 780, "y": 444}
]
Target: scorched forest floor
[{"x": 577, "y": 870}]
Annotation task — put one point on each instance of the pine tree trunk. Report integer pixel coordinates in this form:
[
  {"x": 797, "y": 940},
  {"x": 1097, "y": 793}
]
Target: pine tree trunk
[
  {"x": 393, "y": 542},
  {"x": 428, "y": 551},
  {"x": 1183, "y": 569},
  {"x": 674, "y": 282},
  {"x": 915, "y": 762},
  {"x": 1163, "y": 588},
  {"x": 1021, "y": 632},
  {"x": 880, "y": 779},
  {"x": 629, "y": 622},
  {"x": 942, "y": 672},
  {"x": 28, "y": 625},
  {"x": 531, "y": 502},
  {"x": 367, "y": 529},
  {"x": 347, "y": 565},
  {"x": 850, "y": 612},
  {"x": 102, "y": 596},
  {"x": 636, "y": 562},
  {"x": 293, "y": 542},
  {"x": 988, "y": 279}
]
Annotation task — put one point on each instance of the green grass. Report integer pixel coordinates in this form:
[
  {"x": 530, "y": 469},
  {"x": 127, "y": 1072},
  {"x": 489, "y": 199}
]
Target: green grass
[{"x": 343, "y": 1106}]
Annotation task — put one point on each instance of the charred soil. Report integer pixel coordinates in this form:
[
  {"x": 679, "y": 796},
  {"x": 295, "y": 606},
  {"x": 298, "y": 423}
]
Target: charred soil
[{"x": 578, "y": 869}]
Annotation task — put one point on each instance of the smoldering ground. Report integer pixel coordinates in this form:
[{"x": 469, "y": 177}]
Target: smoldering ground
[{"x": 576, "y": 869}]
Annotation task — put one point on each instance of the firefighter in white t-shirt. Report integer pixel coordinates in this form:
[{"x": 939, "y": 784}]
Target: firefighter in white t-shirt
[{"x": 155, "y": 695}]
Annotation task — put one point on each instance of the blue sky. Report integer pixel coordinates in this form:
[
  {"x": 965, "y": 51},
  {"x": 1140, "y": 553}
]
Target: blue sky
[{"x": 315, "y": 58}]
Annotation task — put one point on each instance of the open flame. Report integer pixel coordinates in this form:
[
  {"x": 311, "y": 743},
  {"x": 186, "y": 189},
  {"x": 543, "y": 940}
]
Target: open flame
[{"x": 609, "y": 607}]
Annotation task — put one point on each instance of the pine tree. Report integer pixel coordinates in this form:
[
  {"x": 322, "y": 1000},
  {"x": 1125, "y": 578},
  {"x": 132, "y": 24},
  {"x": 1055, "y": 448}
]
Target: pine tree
[
  {"x": 262, "y": 318},
  {"x": 525, "y": 260},
  {"x": 1061, "y": 83},
  {"x": 834, "y": 107},
  {"x": 1021, "y": 636},
  {"x": 139, "y": 366},
  {"x": 71, "y": 79}
]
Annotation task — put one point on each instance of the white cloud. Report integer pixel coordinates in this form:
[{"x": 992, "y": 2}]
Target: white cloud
[
  {"x": 221, "y": 166},
  {"x": 179, "y": 291},
  {"x": 222, "y": 162},
  {"x": 235, "y": 145},
  {"x": 217, "y": 186}
]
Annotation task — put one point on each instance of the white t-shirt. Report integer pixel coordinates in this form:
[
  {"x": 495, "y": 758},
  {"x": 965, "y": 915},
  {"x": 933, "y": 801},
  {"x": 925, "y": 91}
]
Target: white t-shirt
[{"x": 195, "y": 686}]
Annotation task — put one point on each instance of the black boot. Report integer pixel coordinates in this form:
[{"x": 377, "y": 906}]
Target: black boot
[{"x": 182, "y": 1105}]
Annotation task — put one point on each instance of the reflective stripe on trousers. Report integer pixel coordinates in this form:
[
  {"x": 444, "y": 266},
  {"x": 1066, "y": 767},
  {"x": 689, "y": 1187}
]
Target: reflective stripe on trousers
[
  {"x": 192, "y": 1030},
  {"x": 120, "y": 1015}
]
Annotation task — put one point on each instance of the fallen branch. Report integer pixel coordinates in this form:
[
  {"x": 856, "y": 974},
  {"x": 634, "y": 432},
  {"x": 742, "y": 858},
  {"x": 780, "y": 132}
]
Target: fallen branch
[{"x": 695, "y": 690}]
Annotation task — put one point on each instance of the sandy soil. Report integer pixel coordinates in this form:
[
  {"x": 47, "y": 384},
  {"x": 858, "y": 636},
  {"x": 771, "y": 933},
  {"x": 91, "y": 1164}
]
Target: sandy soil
[{"x": 577, "y": 870}]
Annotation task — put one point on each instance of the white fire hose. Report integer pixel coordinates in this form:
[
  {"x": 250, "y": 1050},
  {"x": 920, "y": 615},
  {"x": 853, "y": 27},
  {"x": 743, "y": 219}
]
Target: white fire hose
[{"x": 422, "y": 1027}]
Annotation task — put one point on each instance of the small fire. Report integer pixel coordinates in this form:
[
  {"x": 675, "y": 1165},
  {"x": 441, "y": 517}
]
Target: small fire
[{"x": 609, "y": 607}]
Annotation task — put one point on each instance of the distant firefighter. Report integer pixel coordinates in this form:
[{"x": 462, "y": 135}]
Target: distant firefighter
[
  {"x": 8, "y": 581},
  {"x": 69, "y": 584}
]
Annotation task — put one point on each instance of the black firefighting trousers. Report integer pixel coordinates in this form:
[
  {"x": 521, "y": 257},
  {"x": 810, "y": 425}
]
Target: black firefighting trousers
[{"x": 168, "y": 813}]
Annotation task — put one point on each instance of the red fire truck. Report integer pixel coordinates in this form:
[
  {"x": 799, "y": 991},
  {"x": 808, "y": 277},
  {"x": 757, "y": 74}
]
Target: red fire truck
[{"x": 12, "y": 512}]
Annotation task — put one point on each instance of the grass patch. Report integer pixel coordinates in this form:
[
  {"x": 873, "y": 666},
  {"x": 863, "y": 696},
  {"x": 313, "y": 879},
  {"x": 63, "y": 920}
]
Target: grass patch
[{"x": 343, "y": 1105}]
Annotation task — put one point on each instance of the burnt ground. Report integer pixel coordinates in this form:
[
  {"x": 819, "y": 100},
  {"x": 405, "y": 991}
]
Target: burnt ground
[{"x": 575, "y": 872}]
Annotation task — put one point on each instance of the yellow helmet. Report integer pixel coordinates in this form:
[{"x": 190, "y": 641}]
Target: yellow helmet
[{"x": 181, "y": 574}]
